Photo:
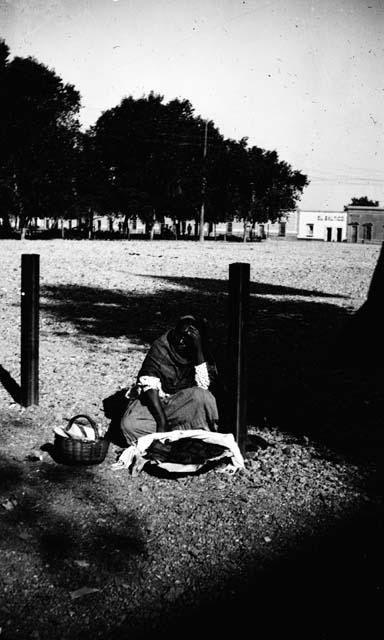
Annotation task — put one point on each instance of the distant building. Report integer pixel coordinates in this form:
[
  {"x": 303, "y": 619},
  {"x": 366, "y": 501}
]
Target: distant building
[
  {"x": 235, "y": 229},
  {"x": 287, "y": 227},
  {"x": 329, "y": 226},
  {"x": 365, "y": 224}
]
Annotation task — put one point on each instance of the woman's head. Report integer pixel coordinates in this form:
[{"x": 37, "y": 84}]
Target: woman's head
[{"x": 180, "y": 334}]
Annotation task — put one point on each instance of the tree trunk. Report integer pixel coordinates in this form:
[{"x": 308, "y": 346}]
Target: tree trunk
[
  {"x": 125, "y": 227},
  {"x": 245, "y": 232},
  {"x": 23, "y": 224},
  {"x": 202, "y": 223},
  {"x": 150, "y": 226},
  {"x": 351, "y": 343},
  {"x": 90, "y": 224},
  {"x": 6, "y": 222},
  {"x": 197, "y": 227}
]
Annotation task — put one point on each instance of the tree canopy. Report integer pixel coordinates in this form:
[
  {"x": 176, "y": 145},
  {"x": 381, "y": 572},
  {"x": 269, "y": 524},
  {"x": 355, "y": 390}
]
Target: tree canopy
[
  {"x": 143, "y": 158},
  {"x": 38, "y": 139},
  {"x": 363, "y": 201},
  {"x": 154, "y": 165}
]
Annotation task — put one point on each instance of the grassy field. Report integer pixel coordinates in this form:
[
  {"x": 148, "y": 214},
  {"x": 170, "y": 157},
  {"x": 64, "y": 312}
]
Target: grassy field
[{"x": 291, "y": 545}]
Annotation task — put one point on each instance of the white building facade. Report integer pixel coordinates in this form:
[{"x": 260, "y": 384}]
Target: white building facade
[{"x": 329, "y": 226}]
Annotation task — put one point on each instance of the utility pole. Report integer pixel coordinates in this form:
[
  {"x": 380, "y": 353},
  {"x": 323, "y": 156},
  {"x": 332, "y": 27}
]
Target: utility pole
[
  {"x": 248, "y": 227},
  {"x": 202, "y": 210}
]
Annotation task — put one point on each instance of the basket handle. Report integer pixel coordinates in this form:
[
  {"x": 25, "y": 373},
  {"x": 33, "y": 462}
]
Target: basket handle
[{"x": 91, "y": 422}]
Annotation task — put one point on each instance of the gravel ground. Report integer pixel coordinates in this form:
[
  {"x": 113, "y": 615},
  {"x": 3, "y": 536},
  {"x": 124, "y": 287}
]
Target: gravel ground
[{"x": 292, "y": 544}]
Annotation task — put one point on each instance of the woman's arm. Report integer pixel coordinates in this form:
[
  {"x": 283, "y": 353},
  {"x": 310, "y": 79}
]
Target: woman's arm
[{"x": 153, "y": 403}]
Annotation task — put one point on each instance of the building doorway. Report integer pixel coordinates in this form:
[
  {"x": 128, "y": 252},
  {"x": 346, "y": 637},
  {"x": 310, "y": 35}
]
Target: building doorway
[
  {"x": 339, "y": 234},
  {"x": 354, "y": 233},
  {"x": 367, "y": 232},
  {"x": 329, "y": 234}
]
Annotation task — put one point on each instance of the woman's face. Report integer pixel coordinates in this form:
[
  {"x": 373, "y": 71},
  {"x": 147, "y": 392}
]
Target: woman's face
[{"x": 181, "y": 340}]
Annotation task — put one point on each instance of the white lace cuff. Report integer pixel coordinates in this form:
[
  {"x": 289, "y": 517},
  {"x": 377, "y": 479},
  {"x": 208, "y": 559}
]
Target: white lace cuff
[
  {"x": 150, "y": 382},
  {"x": 202, "y": 376}
]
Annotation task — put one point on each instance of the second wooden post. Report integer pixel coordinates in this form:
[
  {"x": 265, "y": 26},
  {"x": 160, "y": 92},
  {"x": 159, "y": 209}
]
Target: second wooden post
[
  {"x": 30, "y": 285},
  {"x": 239, "y": 273}
]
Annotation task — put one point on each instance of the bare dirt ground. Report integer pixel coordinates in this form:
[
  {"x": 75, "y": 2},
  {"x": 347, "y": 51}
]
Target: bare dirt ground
[{"x": 291, "y": 545}]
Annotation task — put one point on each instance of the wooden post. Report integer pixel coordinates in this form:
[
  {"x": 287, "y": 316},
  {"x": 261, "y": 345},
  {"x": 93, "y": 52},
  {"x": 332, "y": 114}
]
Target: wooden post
[
  {"x": 30, "y": 272},
  {"x": 239, "y": 273}
]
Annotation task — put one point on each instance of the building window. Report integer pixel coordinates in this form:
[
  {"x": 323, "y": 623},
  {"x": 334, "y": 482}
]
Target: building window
[
  {"x": 367, "y": 232},
  {"x": 229, "y": 227},
  {"x": 134, "y": 223},
  {"x": 282, "y": 229},
  {"x": 309, "y": 230}
]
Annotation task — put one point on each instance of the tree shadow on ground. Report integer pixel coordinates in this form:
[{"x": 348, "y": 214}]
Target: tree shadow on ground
[
  {"x": 86, "y": 502},
  {"x": 328, "y": 586},
  {"x": 68, "y": 524},
  {"x": 323, "y": 584},
  {"x": 255, "y": 288},
  {"x": 301, "y": 378}
]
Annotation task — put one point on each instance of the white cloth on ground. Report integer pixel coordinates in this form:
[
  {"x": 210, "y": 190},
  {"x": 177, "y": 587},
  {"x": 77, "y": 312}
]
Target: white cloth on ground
[{"x": 133, "y": 458}]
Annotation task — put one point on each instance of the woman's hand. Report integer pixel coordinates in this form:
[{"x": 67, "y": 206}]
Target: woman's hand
[{"x": 194, "y": 338}]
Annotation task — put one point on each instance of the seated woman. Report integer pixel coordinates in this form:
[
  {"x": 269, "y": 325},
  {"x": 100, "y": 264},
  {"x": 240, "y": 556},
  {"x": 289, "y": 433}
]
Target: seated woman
[{"x": 172, "y": 388}]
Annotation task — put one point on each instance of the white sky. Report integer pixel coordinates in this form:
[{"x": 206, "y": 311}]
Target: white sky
[{"x": 304, "y": 77}]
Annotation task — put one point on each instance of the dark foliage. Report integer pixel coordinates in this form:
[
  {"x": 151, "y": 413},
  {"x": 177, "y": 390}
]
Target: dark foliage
[
  {"x": 143, "y": 158},
  {"x": 38, "y": 140}
]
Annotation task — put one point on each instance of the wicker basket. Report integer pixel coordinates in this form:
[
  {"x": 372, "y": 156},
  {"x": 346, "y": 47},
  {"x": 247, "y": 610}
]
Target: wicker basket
[{"x": 71, "y": 451}]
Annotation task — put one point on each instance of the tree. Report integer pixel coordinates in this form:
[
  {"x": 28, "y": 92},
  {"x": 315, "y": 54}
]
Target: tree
[
  {"x": 39, "y": 139},
  {"x": 253, "y": 184},
  {"x": 125, "y": 140},
  {"x": 154, "y": 165},
  {"x": 94, "y": 182},
  {"x": 276, "y": 186},
  {"x": 6, "y": 192},
  {"x": 363, "y": 201},
  {"x": 153, "y": 152}
]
